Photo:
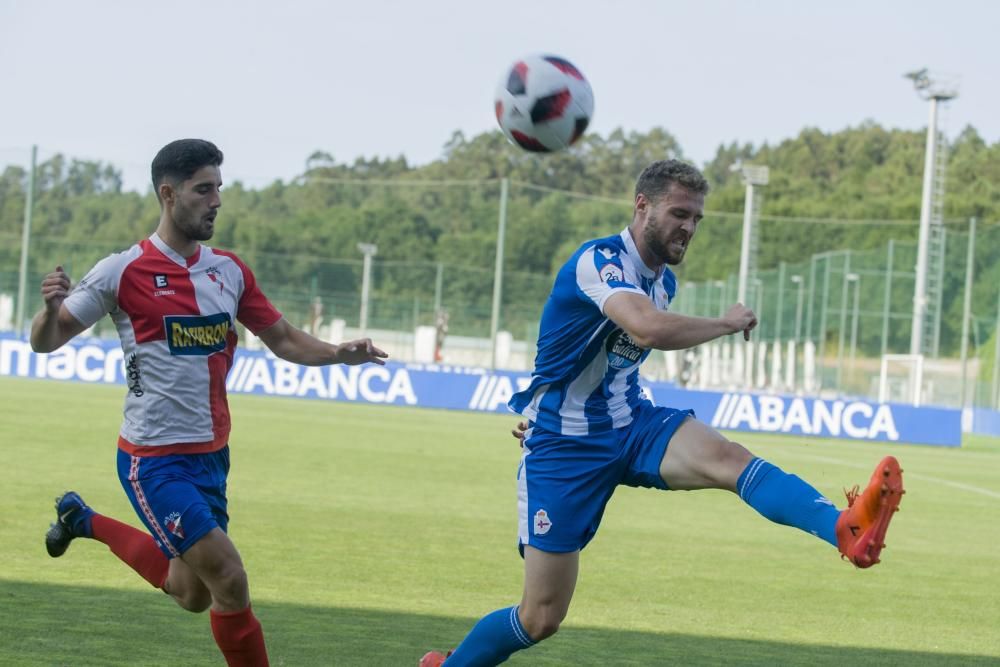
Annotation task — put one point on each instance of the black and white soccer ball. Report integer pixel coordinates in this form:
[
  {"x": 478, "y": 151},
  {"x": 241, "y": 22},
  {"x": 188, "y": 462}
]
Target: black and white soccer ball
[{"x": 544, "y": 103}]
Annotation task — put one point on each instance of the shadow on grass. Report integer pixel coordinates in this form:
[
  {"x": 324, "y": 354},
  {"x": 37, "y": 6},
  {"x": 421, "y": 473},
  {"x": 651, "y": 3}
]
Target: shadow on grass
[{"x": 43, "y": 624}]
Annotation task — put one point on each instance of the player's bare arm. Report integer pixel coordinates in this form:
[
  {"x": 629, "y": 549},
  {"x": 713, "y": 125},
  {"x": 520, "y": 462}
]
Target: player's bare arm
[
  {"x": 661, "y": 330},
  {"x": 54, "y": 326},
  {"x": 292, "y": 344}
]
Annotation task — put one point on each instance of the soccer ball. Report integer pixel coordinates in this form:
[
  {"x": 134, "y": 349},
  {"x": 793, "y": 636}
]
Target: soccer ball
[{"x": 544, "y": 103}]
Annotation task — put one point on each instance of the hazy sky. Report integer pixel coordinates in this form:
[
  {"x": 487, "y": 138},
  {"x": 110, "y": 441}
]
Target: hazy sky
[{"x": 270, "y": 82}]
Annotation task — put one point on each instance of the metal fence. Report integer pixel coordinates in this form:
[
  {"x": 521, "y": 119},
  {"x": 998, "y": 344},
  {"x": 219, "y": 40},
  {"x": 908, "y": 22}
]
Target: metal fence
[
  {"x": 850, "y": 306},
  {"x": 855, "y": 307}
]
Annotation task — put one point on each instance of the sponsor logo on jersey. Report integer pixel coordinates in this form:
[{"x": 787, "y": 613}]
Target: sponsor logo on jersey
[
  {"x": 611, "y": 272},
  {"x": 542, "y": 524},
  {"x": 622, "y": 350},
  {"x": 197, "y": 334},
  {"x": 609, "y": 266},
  {"x": 132, "y": 377},
  {"x": 173, "y": 524},
  {"x": 160, "y": 285}
]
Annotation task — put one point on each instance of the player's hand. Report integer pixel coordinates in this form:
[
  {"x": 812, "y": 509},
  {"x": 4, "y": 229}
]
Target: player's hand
[
  {"x": 360, "y": 351},
  {"x": 518, "y": 432},
  {"x": 55, "y": 289},
  {"x": 740, "y": 318}
]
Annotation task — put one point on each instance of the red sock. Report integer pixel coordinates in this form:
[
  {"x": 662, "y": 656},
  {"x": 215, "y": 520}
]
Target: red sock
[
  {"x": 134, "y": 547},
  {"x": 240, "y": 638}
]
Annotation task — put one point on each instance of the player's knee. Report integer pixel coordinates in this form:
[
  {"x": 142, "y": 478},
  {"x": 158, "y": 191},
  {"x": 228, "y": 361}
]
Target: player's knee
[
  {"x": 736, "y": 454},
  {"x": 233, "y": 581},
  {"x": 542, "y": 623},
  {"x": 227, "y": 582},
  {"x": 733, "y": 459},
  {"x": 543, "y": 629},
  {"x": 195, "y": 602},
  {"x": 187, "y": 590},
  {"x": 722, "y": 463}
]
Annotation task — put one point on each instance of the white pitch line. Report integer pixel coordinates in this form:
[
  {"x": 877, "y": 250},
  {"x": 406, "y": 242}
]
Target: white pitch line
[{"x": 926, "y": 478}]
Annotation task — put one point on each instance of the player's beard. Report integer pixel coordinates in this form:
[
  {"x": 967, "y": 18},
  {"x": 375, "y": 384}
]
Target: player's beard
[
  {"x": 664, "y": 249},
  {"x": 193, "y": 227}
]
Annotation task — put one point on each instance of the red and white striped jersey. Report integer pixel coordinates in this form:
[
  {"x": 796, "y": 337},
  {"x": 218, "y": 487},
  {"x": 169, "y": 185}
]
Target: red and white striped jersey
[{"x": 175, "y": 318}]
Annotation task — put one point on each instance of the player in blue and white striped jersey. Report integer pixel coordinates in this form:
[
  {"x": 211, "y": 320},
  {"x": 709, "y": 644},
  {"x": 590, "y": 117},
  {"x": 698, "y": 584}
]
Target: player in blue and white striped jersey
[
  {"x": 586, "y": 378},
  {"x": 589, "y": 428}
]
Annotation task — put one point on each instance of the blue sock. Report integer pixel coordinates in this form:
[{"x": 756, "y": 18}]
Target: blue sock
[
  {"x": 787, "y": 500},
  {"x": 491, "y": 640}
]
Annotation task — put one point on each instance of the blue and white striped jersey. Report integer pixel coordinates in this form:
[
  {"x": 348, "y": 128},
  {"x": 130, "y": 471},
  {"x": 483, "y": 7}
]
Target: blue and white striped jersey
[{"x": 586, "y": 377}]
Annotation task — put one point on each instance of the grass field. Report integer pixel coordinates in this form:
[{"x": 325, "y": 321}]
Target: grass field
[{"x": 372, "y": 534}]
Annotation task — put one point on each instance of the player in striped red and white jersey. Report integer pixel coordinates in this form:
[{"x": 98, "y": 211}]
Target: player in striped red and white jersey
[{"x": 175, "y": 303}]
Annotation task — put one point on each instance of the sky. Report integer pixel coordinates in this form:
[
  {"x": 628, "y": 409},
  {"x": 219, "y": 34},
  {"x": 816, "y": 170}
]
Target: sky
[{"x": 272, "y": 82}]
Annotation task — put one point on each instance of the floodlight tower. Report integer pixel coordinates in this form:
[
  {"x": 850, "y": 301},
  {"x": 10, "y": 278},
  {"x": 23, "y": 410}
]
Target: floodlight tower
[
  {"x": 753, "y": 175},
  {"x": 927, "y": 290}
]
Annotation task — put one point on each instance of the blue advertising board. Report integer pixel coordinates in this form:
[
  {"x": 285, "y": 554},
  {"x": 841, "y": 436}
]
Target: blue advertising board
[{"x": 477, "y": 389}]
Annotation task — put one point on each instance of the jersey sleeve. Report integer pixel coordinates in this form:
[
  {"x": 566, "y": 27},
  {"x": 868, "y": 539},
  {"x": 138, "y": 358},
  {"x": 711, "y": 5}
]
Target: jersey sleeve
[
  {"x": 600, "y": 273},
  {"x": 97, "y": 294},
  {"x": 254, "y": 310}
]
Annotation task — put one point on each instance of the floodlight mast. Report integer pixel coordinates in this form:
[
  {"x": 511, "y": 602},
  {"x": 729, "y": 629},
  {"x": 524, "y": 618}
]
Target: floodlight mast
[{"x": 933, "y": 90}]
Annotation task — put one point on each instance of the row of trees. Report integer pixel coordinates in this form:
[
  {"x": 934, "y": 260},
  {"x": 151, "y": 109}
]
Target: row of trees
[{"x": 304, "y": 233}]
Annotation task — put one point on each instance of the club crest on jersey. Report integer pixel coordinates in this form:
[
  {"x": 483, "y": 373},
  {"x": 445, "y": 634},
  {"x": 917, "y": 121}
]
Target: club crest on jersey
[
  {"x": 215, "y": 276},
  {"x": 622, "y": 350},
  {"x": 542, "y": 523},
  {"x": 173, "y": 524},
  {"x": 197, "y": 334}
]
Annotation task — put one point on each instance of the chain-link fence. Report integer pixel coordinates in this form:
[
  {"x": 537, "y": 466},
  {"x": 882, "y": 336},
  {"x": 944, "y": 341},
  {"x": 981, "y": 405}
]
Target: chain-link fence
[
  {"x": 845, "y": 308},
  {"x": 856, "y": 306}
]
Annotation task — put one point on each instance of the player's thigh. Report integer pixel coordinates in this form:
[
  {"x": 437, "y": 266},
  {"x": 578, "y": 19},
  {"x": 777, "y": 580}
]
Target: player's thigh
[
  {"x": 213, "y": 558},
  {"x": 699, "y": 457},
  {"x": 644, "y": 442},
  {"x": 549, "y": 582}
]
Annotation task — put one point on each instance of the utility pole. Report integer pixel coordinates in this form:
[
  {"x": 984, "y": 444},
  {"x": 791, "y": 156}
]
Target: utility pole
[
  {"x": 498, "y": 272},
  {"x": 970, "y": 257},
  {"x": 369, "y": 250},
  {"x": 22, "y": 273}
]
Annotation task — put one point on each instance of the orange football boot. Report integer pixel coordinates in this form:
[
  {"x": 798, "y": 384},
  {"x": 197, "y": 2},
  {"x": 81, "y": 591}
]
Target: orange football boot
[
  {"x": 861, "y": 527},
  {"x": 433, "y": 659}
]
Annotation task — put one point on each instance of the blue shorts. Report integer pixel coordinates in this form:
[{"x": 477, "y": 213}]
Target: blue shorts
[
  {"x": 565, "y": 481},
  {"x": 180, "y": 497}
]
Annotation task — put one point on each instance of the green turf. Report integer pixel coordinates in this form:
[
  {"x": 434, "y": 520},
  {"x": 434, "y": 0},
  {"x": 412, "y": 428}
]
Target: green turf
[{"x": 372, "y": 534}]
